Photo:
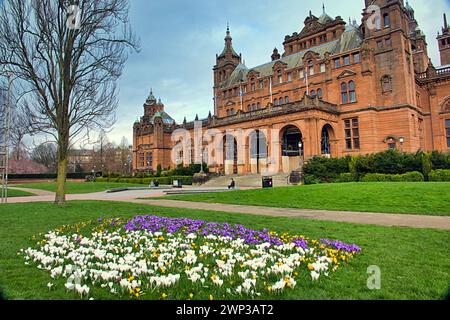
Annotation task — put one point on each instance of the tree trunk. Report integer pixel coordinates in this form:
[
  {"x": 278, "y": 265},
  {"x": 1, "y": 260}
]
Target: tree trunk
[{"x": 60, "y": 198}]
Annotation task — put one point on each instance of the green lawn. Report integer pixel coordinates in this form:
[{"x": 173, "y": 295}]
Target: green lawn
[
  {"x": 18, "y": 193},
  {"x": 414, "y": 262},
  {"x": 79, "y": 187},
  {"x": 412, "y": 198}
]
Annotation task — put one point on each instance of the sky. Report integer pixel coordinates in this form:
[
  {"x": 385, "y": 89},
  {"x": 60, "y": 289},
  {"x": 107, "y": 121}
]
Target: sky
[{"x": 180, "y": 40}]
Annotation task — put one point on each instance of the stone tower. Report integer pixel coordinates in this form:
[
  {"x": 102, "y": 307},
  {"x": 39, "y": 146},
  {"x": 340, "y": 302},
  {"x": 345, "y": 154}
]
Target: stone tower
[{"x": 444, "y": 43}]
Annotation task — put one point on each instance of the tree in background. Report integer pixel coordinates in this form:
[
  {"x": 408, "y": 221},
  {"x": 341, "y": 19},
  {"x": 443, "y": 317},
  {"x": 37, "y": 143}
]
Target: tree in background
[
  {"x": 67, "y": 56},
  {"x": 46, "y": 154}
]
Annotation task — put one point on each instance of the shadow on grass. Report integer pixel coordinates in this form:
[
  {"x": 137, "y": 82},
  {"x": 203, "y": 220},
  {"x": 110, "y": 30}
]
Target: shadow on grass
[{"x": 2, "y": 295}]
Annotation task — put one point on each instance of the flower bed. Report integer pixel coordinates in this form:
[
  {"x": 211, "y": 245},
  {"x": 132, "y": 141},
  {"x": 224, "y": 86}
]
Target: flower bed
[{"x": 183, "y": 259}]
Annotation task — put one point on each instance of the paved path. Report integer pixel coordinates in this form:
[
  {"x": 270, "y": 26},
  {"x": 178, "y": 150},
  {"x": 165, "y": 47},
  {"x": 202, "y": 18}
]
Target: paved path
[
  {"x": 383, "y": 219},
  {"x": 34, "y": 191}
]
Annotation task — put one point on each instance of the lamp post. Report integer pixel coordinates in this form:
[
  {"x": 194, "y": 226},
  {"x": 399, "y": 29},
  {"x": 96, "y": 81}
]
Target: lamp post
[
  {"x": 402, "y": 141},
  {"x": 201, "y": 165},
  {"x": 6, "y": 141}
]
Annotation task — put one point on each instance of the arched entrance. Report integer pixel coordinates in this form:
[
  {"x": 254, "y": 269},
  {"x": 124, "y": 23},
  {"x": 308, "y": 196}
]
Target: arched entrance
[
  {"x": 327, "y": 136},
  {"x": 292, "y": 149},
  {"x": 230, "y": 154},
  {"x": 258, "y": 151}
]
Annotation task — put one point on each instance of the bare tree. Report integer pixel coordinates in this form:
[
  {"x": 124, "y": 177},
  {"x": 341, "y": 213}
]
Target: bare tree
[
  {"x": 68, "y": 56},
  {"x": 46, "y": 154}
]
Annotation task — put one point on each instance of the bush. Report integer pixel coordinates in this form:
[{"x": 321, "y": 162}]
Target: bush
[
  {"x": 346, "y": 177},
  {"x": 407, "y": 177},
  {"x": 325, "y": 169},
  {"x": 440, "y": 161},
  {"x": 440, "y": 175}
]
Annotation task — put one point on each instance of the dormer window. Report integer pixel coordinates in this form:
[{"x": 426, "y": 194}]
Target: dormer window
[
  {"x": 261, "y": 84},
  {"x": 290, "y": 76},
  {"x": 280, "y": 76}
]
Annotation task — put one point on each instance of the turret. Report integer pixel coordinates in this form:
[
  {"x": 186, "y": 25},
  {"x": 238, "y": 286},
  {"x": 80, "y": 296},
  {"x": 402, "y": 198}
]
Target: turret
[{"x": 444, "y": 43}]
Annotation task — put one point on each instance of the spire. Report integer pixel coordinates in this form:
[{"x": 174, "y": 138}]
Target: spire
[
  {"x": 323, "y": 6},
  {"x": 229, "y": 46},
  {"x": 445, "y": 22}
]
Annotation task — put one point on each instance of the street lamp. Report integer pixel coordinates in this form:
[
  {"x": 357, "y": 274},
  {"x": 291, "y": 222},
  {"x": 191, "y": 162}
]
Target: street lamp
[{"x": 201, "y": 165}]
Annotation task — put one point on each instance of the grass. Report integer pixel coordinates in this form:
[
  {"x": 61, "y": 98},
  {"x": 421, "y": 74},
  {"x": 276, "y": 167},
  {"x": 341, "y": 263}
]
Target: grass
[
  {"x": 79, "y": 187},
  {"x": 414, "y": 262},
  {"x": 18, "y": 193},
  {"x": 408, "y": 198}
]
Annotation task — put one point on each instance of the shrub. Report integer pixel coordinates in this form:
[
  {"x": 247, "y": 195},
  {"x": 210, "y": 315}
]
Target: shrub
[
  {"x": 346, "y": 177},
  {"x": 427, "y": 166},
  {"x": 440, "y": 175},
  {"x": 311, "y": 179},
  {"x": 440, "y": 161},
  {"x": 325, "y": 169},
  {"x": 380, "y": 177}
]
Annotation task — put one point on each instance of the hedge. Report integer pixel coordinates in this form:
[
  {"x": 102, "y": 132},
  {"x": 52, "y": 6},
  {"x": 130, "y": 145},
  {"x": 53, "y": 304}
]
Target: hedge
[
  {"x": 348, "y": 169},
  {"x": 186, "y": 180},
  {"x": 439, "y": 175},
  {"x": 407, "y": 177},
  {"x": 48, "y": 176}
]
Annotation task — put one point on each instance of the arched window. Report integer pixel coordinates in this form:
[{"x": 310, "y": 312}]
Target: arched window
[
  {"x": 351, "y": 91},
  {"x": 281, "y": 101},
  {"x": 319, "y": 93},
  {"x": 344, "y": 93},
  {"x": 313, "y": 93},
  {"x": 286, "y": 99},
  {"x": 258, "y": 105},
  {"x": 275, "y": 102}
]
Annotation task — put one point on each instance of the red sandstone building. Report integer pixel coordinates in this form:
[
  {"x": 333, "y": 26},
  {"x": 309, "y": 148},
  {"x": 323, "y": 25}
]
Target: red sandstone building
[{"x": 338, "y": 89}]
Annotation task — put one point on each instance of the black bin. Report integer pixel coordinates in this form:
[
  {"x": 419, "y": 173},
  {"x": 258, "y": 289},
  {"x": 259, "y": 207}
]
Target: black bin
[{"x": 267, "y": 182}]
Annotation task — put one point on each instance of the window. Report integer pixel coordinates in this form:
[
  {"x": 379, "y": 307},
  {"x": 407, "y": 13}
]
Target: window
[
  {"x": 352, "y": 93},
  {"x": 344, "y": 93},
  {"x": 275, "y": 102},
  {"x": 281, "y": 101},
  {"x": 286, "y": 99},
  {"x": 348, "y": 92},
  {"x": 280, "y": 77},
  {"x": 149, "y": 161},
  {"x": 311, "y": 67},
  {"x": 142, "y": 159},
  {"x": 356, "y": 58},
  {"x": 334, "y": 34},
  {"x": 387, "y": 41},
  {"x": 346, "y": 60},
  {"x": 447, "y": 131},
  {"x": 352, "y": 134},
  {"x": 387, "y": 20},
  {"x": 290, "y": 76},
  {"x": 319, "y": 93},
  {"x": 253, "y": 85},
  {"x": 258, "y": 106},
  {"x": 322, "y": 67},
  {"x": 261, "y": 84},
  {"x": 337, "y": 63},
  {"x": 313, "y": 93},
  {"x": 302, "y": 74}
]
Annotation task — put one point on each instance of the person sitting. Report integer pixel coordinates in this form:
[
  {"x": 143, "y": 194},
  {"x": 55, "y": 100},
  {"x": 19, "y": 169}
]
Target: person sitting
[{"x": 232, "y": 184}]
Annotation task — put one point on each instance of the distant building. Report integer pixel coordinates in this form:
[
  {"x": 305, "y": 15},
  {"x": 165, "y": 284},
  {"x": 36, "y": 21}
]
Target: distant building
[{"x": 338, "y": 89}]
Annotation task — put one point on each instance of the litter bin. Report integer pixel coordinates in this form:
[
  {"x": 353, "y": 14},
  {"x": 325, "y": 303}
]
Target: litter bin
[
  {"x": 267, "y": 182},
  {"x": 177, "y": 184}
]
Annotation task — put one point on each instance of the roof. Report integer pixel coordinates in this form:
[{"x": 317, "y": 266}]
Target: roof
[
  {"x": 349, "y": 40},
  {"x": 325, "y": 18}
]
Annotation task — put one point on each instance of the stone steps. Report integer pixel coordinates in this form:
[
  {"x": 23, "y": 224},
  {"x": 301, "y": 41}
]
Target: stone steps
[{"x": 250, "y": 181}]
